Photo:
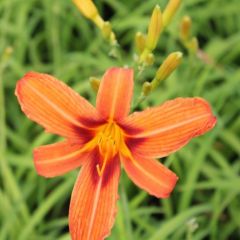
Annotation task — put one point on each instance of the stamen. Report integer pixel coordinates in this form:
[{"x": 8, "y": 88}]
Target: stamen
[
  {"x": 101, "y": 170},
  {"x": 109, "y": 141},
  {"x": 106, "y": 150}
]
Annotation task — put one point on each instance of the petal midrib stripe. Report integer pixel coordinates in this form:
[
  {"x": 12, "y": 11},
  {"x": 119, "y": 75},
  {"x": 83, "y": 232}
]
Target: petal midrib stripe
[
  {"x": 165, "y": 129},
  {"x": 115, "y": 96},
  {"x": 57, "y": 108},
  {"x": 94, "y": 208},
  {"x": 86, "y": 148},
  {"x": 62, "y": 158},
  {"x": 161, "y": 183}
]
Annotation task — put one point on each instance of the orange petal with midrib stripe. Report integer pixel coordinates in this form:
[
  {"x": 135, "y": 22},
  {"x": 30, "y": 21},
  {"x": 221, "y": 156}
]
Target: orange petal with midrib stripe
[
  {"x": 55, "y": 106},
  {"x": 93, "y": 202},
  {"x": 115, "y": 93},
  {"x": 150, "y": 175},
  {"x": 159, "y": 131},
  {"x": 58, "y": 158}
]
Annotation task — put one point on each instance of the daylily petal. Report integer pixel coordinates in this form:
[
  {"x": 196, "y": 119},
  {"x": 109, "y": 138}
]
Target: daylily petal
[
  {"x": 159, "y": 131},
  {"x": 58, "y": 158},
  {"x": 150, "y": 175},
  {"x": 54, "y": 105},
  {"x": 115, "y": 93},
  {"x": 93, "y": 202}
]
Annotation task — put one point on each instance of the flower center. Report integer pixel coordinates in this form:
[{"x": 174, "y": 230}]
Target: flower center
[{"x": 109, "y": 140}]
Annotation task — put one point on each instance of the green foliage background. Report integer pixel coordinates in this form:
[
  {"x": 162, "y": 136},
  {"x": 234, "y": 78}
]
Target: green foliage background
[{"x": 51, "y": 36}]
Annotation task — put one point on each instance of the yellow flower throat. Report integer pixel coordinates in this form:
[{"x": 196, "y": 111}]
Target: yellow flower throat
[{"x": 109, "y": 139}]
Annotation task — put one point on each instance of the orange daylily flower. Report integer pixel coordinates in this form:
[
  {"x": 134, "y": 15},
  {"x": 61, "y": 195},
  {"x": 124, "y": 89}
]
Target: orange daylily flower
[{"x": 99, "y": 139}]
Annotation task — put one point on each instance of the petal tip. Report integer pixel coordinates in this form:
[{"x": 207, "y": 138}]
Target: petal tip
[
  {"x": 172, "y": 185},
  {"x": 22, "y": 80},
  {"x": 36, "y": 165},
  {"x": 116, "y": 70},
  {"x": 115, "y": 93},
  {"x": 212, "y": 119},
  {"x": 212, "y": 122},
  {"x": 31, "y": 74},
  {"x": 205, "y": 103},
  {"x": 18, "y": 87}
]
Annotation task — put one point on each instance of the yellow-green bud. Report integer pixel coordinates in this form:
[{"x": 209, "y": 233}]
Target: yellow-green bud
[
  {"x": 89, "y": 10},
  {"x": 185, "y": 28},
  {"x": 95, "y": 83},
  {"x": 146, "y": 88},
  {"x": 193, "y": 45},
  {"x": 170, "y": 11},
  {"x": 140, "y": 41},
  {"x": 7, "y": 52},
  {"x": 113, "y": 39},
  {"x": 168, "y": 66},
  {"x": 149, "y": 60},
  {"x": 108, "y": 33},
  {"x": 107, "y": 29},
  {"x": 154, "y": 29}
]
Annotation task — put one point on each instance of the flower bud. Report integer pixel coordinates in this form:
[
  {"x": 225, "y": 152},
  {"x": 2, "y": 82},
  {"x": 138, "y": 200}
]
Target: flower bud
[
  {"x": 140, "y": 41},
  {"x": 168, "y": 66},
  {"x": 146, "y": 88},
  {"x": 95, "y": 83},
  {"x": 154, "y": 29},
  {"x": 7, "y": 53},
  {"x": 89, "y": 10},
  {"x": 193, "y": 45},
  {"x": 108, "y": 33},
  {"x": 170, "y": 11},
  {"x": 149, "y": 60},
  {"x": 185, "y": 28}
]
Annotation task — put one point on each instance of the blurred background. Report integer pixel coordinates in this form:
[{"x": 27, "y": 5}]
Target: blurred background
[{"x": 51, "y": 36}]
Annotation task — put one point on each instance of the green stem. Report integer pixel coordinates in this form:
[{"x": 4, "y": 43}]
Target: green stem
[{"x": 140, "y": 99}]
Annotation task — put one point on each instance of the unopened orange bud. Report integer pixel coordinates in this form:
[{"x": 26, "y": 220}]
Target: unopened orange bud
[
  {"x": 170, "y": 11},
  {"x": 154, "y": 29},
  {"x": 168, "y": 66},
  {"x": 185, "y": 28}
]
